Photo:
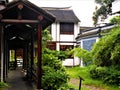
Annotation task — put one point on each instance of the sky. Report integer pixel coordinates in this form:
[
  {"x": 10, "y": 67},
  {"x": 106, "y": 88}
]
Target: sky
[{"x": 82, "y": 8}]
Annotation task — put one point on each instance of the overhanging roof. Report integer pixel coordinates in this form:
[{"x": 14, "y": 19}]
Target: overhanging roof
[
  {"x": 63, "y": 14},
  {"x": 29, "y": 12}
]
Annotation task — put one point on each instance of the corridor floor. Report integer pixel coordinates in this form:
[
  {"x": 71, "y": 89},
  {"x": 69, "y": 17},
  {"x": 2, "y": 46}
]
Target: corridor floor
[{"x": 16, "y": 81}]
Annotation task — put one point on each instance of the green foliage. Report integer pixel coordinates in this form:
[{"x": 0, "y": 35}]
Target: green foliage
[
  {"x": 106, "y": 55},
  {"x": 106, "y": 51},
  {"x": 45, "y": 38},
  {"x": 112, "y": 77},
  {"x": 115, "y": 20},
  {"x": 104, "y": 2},
  {"x": 53, "y": 72},
  {"x": 81, "y": 53},
  {"x": 103, "y": 11},
  {"x": 98, "y": 72},
  {"x": 88, "y": 81},
  {"x": 53, "y": 79},
  {"x": 12, "y": 55},
  {"x": 108, "y": 75},
  {"x": 3, "y": 84},
  {"x": 60, "y": 54},
  {"x": 54, "y": 75}
]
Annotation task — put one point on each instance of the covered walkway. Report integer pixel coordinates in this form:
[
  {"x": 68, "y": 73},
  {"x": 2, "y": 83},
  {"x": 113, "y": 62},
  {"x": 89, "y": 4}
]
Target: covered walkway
[
  {"x": 21, "y": 26},
  {"x": 17, "y": 81}
]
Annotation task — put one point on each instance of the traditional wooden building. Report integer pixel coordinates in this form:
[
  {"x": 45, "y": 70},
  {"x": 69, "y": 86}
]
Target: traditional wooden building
[
  {"x": 21, "y": 23},
  {"x": 64, "y": 31}
]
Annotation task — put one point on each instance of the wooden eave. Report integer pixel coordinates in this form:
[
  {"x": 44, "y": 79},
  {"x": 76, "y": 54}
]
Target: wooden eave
[
  {"x": 29, "y": 12},
  {"x": 87, "y": 34}
]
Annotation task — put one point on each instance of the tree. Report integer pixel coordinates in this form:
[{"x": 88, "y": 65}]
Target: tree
[
  {"x": 81, "y": 53},
  {"x": 54, "y": 75},
  {"x": 106, "y": 52},
  {"x": 104, "y": 10},
  {"x": 115, "y": 20},
  {"x": 106, "y": 56}
]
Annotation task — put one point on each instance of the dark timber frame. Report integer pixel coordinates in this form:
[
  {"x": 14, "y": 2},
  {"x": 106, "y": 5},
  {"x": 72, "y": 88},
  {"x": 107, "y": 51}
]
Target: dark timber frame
[{"x": 20, "y": 22}]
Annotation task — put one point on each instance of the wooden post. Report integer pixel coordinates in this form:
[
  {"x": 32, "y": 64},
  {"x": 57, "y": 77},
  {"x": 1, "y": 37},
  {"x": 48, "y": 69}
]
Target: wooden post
[
  {"x": 1, "y": 61},
  {"x": 32, "y": 54},
  {"x": 39, "y": 67},
  {"x": 15, "y": 59},
  {"x": 80, "y": 82},
  {"x": 1, "y": 51}
]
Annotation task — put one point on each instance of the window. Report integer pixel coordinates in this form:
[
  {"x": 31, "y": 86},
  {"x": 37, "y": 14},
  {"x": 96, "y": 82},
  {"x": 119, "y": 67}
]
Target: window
[{"x": 66, "y": 28}]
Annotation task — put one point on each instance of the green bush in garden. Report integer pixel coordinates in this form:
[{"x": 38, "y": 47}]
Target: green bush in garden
[
  {"x": 106, "y": 52},
  {"x": 98, "y": 72},
  {"x": 54, "y": 75},
  {"x": 82, "y": 54},
  {"x": 107, "y": 75},
  {"x": 106, "y": 56}
]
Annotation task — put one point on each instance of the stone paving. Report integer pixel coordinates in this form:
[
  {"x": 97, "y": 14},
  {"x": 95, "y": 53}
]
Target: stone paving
[{"x": 17, "y": 81}]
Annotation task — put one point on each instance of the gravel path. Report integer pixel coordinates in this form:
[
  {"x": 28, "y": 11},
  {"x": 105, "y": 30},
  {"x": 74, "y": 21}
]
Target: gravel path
[{"x": 75, "y": 82}]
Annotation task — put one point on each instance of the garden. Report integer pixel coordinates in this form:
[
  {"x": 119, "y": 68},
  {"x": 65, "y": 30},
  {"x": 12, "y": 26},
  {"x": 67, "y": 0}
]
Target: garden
[
  {"x": 101, "y": 73},
  {"x": 101, "y": 70}
]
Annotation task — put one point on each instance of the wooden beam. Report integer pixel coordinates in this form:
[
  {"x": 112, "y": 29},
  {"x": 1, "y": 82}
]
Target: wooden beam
[
  {"x": 18, "y": 21},
  {"x": 39, "y": 67}
]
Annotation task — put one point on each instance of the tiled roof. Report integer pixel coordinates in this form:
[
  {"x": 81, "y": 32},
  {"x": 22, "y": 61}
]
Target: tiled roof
[
  {"x": 63, "y": 15},
  {"x": 94, "y": 31}
]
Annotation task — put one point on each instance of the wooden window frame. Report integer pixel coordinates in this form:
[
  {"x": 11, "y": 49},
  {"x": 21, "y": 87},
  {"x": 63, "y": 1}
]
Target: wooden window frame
[{"x": 67, "y": 28}]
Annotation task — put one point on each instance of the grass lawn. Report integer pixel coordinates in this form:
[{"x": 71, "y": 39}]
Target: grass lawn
[{"x": 83, "y": 72}]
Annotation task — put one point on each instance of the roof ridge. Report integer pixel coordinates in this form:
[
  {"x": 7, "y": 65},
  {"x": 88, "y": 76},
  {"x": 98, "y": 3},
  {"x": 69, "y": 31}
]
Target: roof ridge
[{"x": 57, "y": 8}]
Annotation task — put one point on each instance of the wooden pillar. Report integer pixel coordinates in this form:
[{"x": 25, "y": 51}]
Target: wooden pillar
[
  {"x": 39, "y": 67},
  {"x": 25, "y": 57},
  {"x": 15, "y": 58},
  {"x": 4, "y": 58},
  {"x": 7, "y": 59},
  {"x": 1, "y": 53},
  {"x": 32, "y": 54}
]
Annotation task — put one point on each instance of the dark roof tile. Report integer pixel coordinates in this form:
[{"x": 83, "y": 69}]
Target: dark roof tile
[{"x": 62, "y": 15}]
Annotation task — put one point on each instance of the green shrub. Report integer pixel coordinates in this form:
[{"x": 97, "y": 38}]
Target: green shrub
[
  {"x": 106, "y": 56},
  {"x": 112, "y": 77},
  {"x": 98, "y": 72},
  {"x": 54, "y": 75},
  {"x": 81, "y": 53},
  {"x": 53, "y": 80},
  {"x": 108, "y": 75},
  {"x": 106, "y": 52}
]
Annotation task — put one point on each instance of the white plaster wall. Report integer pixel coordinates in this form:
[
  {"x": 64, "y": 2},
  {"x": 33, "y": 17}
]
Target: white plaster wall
[
  {"x": 76, "y": 29},
  {"x": 53, "y": 31},
  {"x": 71, "y": 62},
  {"x": 57, "y": 46},
  {"x": 66, "y": 37},
  {"x": 66, "y": 43},
  {"x": 58, "y": 31}
]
